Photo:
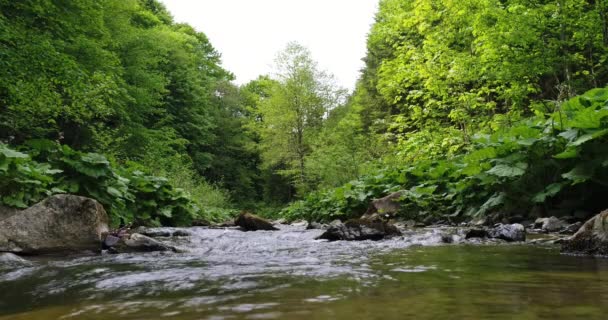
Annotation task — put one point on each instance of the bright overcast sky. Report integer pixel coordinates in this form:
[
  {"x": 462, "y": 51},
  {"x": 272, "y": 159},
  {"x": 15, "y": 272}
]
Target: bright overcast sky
[{"x": 249, "y": 33}]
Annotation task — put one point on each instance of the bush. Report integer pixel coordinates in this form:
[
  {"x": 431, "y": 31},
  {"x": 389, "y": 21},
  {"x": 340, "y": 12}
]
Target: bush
[
  {"x": 556, "y": 161},
  {"x": 129, "y": 195}
]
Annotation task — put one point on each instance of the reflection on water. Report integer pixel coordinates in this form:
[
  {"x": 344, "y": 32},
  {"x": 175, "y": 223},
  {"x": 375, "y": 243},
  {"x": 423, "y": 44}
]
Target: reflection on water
[{"x": 228, "y": 274}]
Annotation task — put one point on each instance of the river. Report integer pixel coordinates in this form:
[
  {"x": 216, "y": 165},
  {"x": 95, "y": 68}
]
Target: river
[{"x": 286, "y": 274}]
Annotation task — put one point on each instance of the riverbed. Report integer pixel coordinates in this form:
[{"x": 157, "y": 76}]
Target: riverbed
[{"x": 287, "y": 274}]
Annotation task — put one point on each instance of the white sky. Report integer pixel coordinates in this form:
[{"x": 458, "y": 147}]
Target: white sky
[{"x": 249, "y": 33}]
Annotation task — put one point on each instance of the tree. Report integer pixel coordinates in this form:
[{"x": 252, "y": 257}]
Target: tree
[{"x": 293, "y": 114}]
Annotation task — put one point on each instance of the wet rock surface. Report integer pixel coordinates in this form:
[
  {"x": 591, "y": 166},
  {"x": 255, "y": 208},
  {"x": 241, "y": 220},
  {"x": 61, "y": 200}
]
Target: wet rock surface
[
  {"x": 251, "y": 222},
  {"x": 360, "y": 229},
  {"x": 12, "y": 260},
  {"x": 508, "y": 232},
  {"x": 591, "y": 238},
  {"x": 61, "y": 223},
  {"x": 132, "y": 243},
  {"x": 551, "y": 224}
]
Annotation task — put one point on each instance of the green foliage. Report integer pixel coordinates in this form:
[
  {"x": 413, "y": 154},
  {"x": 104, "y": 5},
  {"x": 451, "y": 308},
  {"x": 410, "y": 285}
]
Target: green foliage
[
  {"x": 130, "y": 196},
  {"x": 541, "y": 160}
]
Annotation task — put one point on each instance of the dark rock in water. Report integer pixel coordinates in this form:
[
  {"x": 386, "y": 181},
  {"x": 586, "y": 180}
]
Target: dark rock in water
[
  {"x": 251, "y": 222},
  {"x": 11, "y": 259},
  {"x": 181, "y": 233},
  {"x": 388, "y": 205},
  {"x": 139, "y": 243},
  {"x": 316, "y": 225},
  {"x": 61, "y": 223},
  {"x": 360, "y": 229},
  {"x": 200, "y": 223},
  {"x": 508, "y": 232},
  {"x": 447, "y": 238},
  {"x": 155, "y": 233},
  {"x": 476, "y": 233},
  {"x": 572, "y": 228},
  {"x": 591, "y": 238}
]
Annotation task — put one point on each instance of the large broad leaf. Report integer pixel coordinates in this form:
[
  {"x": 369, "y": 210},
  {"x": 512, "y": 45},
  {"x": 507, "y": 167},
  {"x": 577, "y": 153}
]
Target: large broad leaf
[
  {"x": 579, "y": 174},
  {"x": 10, "y": 153},
  {"x": 494, "y": 201},
  {"x": 589, "y": 136},
  {"x": 95, "y": 158},
  {"x": 508, "y": 171},
  {"x": 548, "y": 192},
  {"x": 569, "y": 153}
]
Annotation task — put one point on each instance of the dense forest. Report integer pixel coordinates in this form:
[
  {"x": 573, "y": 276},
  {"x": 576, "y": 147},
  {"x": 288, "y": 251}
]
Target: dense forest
[{"x": 471, "y": 108}]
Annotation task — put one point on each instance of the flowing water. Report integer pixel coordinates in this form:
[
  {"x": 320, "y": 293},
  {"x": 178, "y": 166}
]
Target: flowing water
[{"x": 229, "y": 274}]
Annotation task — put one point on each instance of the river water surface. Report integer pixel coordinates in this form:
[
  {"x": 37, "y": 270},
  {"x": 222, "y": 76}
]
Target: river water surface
[{"x": 229, "y": 274}]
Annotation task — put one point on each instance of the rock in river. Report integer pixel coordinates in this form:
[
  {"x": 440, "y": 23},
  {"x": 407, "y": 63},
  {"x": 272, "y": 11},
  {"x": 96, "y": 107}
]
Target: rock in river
[
  {"x": 360, "y": 229},
  {"x": 551, "y": 224},
  {"x": 135, "y": 243},
  {"x": 591, "y": 238},
  {"x": 508, "y": 232},
  {"x": 61, "y": 223},
  {"x": 251, "y": 222},
  {"x": 11, "y": 259}
]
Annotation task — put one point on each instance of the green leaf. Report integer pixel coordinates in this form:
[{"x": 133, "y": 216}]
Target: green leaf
[
  {"x": 10, "y": 153},
  {"x": 550, "y": 191},
  {"x": 568, "y": 154},
  {"x": 579, "y": 174},
  {"x": 507, "y": 171}
]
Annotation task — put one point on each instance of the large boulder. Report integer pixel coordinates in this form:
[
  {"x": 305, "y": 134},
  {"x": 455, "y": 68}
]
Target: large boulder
[
  {"x": 360, "y": 229},
  {"x": 591, "y": 238},
  {"x": 251, "y": 222},
  {"x": 131, "y": 243},
  {"x": 388, "y": 205},
  {"x": 61, "y": 223}
]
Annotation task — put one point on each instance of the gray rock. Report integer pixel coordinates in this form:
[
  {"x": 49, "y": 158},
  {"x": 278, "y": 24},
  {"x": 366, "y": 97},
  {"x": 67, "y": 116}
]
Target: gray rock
[
  {"x": 591, "y": 238},
  {"x": 316, "y": 225},
  {"x": 139, "y": 243},
  {"x": 11, "y": 259},
  {"x": 61, "y": 223},
  {"x": 476, "y": 233},
  {"x": 251, "y": 222},
  {"x": 360, "y": 229},
  {"x": 551, "y": 224},
  {"x": 508, "y": 232},
  {"x": 300, "y": 224},
  {"x": 181, "y": 233}
]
